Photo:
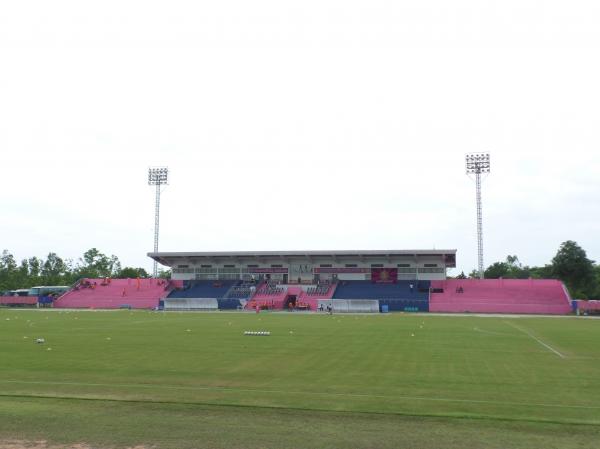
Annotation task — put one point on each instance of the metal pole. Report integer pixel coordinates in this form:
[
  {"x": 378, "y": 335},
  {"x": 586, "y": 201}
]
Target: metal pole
[
  {"x": 157, "y": 177},
  {"x": 156, "y": 225},
  {"x": 478, "y": 164},
  {"x": 479, "y": 225}
]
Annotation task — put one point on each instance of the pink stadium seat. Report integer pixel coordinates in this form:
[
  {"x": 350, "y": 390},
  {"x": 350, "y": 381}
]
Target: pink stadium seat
[
  {"x": 278, "y": 301},
  {"x": 531, "y": 296},
  {"x": 111, "y": 296},
  {"x": 273, "y": 301},
  {"x": 313, "y": 299},
  {"x": 588, "y": 305},
  {"x": 22, "y": 300}
]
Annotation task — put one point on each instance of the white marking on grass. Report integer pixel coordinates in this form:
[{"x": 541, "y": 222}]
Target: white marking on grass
[
  {"x": 483, "y": 331},
  {"x": 312, "y": 393},
  {"x": 550, "y": 348}
]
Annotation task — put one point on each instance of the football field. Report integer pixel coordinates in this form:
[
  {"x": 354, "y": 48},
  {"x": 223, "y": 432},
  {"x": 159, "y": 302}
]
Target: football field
[{"x": 194, "y": 380}]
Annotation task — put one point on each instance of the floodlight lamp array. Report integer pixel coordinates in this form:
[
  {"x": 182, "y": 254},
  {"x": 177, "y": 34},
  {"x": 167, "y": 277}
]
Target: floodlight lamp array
[
  {"x": 158, "y": 176},
  {"x": 478, "y": 163}
]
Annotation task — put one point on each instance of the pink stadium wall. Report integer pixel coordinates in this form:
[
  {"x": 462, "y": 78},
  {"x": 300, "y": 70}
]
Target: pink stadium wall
[{"x": 526, "y": 296}]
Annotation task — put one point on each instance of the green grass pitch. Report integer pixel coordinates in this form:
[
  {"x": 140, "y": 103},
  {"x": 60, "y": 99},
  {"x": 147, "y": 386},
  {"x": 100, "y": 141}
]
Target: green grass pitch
[{"x": 193, "y": 380}]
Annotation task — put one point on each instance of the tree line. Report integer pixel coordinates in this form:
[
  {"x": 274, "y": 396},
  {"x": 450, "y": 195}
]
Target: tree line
[
  {"x": 570, "y": 265},
  {"x": 54, "y": 270}
]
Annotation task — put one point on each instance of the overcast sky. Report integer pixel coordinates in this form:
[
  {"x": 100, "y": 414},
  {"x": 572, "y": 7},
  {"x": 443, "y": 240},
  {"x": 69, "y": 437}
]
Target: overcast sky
[{"x": 327, "y": 124}]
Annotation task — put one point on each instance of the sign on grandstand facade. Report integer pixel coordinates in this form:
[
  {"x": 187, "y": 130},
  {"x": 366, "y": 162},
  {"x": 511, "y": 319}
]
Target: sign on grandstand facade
[
  {"x": 270, "y": 270},
  {"x": 384, "y": 275},
  {"x": 340, "y": 270}
]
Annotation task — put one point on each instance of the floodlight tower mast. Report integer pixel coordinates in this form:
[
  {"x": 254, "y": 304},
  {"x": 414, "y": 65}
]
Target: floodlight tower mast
[
  {"x": 476, "y": 165},
  {"x": 157, "y": 176}
]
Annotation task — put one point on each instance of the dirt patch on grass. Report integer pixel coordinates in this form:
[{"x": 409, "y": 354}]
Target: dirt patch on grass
[{"x": 20, "y": 444}]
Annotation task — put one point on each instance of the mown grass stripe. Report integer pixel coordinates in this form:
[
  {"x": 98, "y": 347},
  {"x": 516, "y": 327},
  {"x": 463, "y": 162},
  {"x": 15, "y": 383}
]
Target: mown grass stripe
[
  {"x": 312, "y": 393},
  {"x": 450, "y": 416}
]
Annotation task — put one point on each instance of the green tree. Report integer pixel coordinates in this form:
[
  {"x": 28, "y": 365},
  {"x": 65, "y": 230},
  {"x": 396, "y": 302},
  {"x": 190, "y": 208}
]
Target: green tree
[
  {"x": 516, "y": 270},
  {"x": 22, "y": 277},
  {"x": 131, "y": 272},
  {"x": 164, "y": 274},
  {"x": 497, "y": 270},
  {"x": 511, "y": 268},
  {"x": 35, "y": 267},
  {"x": 545, "y": 272},
  {"x": 95, "y": 264},
  {"x": 596, "y": 294},
  {"x": 8, "y": 271},
  {"x": 54, "y": 270},
  {"x": 474, "y": 274},
  {"x": 572, "y": 266}
]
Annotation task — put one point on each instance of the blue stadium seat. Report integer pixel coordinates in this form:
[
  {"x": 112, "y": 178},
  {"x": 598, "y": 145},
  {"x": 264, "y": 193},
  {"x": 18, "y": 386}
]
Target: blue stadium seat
[
  {"x": 229, "y": 304},
  {"x": 398, "y": 296},
  {"x": 203, "y": 289},
  {"x": 369, "y": 290}
]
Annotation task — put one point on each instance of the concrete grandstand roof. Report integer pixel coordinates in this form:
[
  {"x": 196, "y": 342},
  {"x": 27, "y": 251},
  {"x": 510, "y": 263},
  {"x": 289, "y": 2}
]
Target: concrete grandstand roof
[{"x": 167, "y": 258}]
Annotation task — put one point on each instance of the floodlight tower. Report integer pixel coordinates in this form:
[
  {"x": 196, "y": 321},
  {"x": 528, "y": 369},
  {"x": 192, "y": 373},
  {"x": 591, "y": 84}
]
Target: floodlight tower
[
  {"x": 478, "y": 164},
  {"x": 157, "y": 176}
]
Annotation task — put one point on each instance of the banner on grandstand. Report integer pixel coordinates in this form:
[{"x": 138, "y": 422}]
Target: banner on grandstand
[
  {"x": 268, "y": 270},
  {"x": 450, "y": 260},
  {"x": 332, "y": 270},
  {"x": 384, "y": 275}
]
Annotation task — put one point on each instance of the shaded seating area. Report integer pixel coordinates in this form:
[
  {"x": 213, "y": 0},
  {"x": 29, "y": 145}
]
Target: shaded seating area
[
  {"x": 406, "y": 296},
  {"x": 202, "y": 289},
  {"x": 191, "y": 304},
  {"x": 223, "y": 295},
  {"x": 416, "y": 290},
  {"x": 241, "y": 290},
  {"x": 270, "y": 288},
  {"x": 321, "y": 289}
]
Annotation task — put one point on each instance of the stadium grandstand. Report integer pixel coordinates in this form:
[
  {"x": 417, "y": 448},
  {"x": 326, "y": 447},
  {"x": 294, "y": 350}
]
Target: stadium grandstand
[
  {"x": 347, "y": 281},
  {"x": 337, "y": 281}
]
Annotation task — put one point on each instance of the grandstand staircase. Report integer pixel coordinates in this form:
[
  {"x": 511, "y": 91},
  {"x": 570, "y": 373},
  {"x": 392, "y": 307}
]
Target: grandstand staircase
[
  {"x": 279, "y": 301},
  {"x": 271, "y": 301},
  {"x": 312, "y": 300},
  {"x": 229, "y": 293}
]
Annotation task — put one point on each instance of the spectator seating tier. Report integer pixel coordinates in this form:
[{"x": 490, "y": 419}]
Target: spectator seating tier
[
  {"x": 529, "y": 296},
  {"x": 370, "y": 290},
  {"x": 203, "y": 289},
  {"x": 397, "y": 296},
  {"x": 230, "y": 303},
  {"x": 118, "y": 293}
]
